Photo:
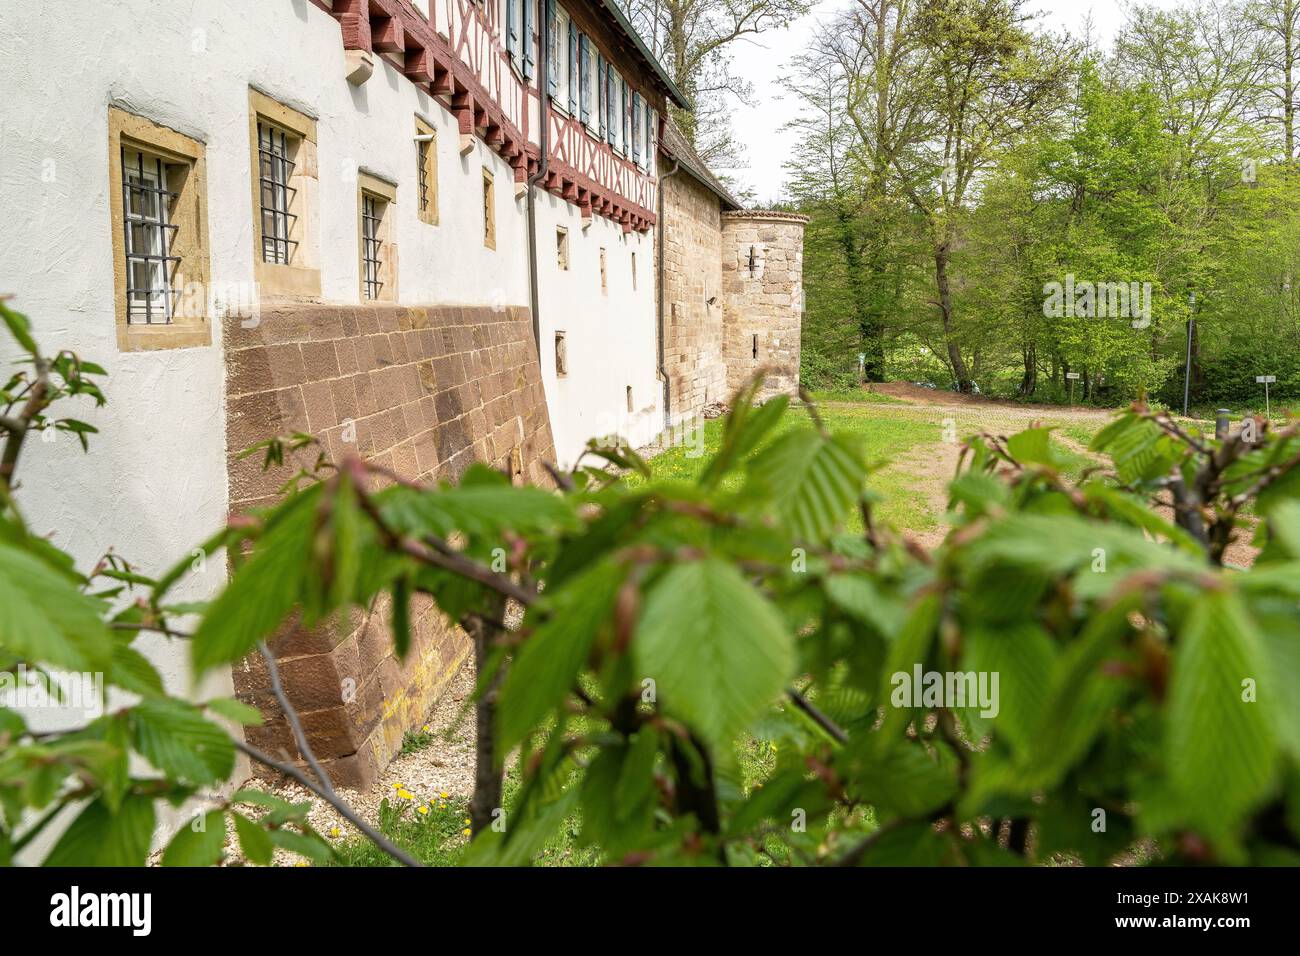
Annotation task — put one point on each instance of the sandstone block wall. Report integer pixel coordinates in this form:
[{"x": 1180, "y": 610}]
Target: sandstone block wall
[
  {"x": 423, "y": 391},
  {"x": 762, "y": 275},
  {"x": 692, "y": 276}
]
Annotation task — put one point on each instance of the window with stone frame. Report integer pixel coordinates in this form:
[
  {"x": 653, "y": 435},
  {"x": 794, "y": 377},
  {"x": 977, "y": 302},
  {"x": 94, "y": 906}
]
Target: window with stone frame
[
  {"x": 426, "y": 169},
  {"x": 158, "y": 204},
  {"x": 284, "y": 188},
  {"x": 377, "y": 263},
  {"x": 489, "y": 211}
]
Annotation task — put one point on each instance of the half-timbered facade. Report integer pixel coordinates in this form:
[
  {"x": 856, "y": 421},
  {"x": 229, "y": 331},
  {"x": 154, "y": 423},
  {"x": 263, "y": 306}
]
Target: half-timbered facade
[{"x": 423, "y": 231}]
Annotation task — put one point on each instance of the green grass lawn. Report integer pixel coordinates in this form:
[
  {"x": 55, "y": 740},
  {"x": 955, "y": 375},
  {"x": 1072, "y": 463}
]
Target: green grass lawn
[{"x": 886, "y": 437}]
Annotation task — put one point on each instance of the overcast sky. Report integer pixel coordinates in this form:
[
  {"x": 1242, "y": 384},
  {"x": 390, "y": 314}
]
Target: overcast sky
[{"x": 762, "y": 62}]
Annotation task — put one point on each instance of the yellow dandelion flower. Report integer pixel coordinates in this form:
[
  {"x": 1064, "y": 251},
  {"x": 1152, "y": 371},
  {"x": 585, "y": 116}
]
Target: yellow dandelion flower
[
  {"x": 465, "y": 831},
  {"x": 467, "y": 819},
  {"x": 335, "y": 832},
  {"x": 422, "y": 809},
  {"x": 302, "y": 863},
  {"x": 406, "y": 794},
  {"x": 426, "y": 728},
  {"x": 397, "y": 786},
  {"x": 443, "y": 795}
]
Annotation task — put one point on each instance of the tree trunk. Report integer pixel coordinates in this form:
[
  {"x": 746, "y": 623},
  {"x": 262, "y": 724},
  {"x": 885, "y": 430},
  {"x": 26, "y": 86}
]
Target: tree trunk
[
  {"x": 1029, "y": 381},
  {"x": 488, "y": 769},
  {"x": 957, "y": 363}
]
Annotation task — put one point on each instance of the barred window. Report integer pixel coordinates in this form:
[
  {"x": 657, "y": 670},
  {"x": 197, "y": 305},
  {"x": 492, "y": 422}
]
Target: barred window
[
  {"x": 372, "y": 246},
  {"x": 275, "y": 172},
  {"x": 424, "y": 145},
  {"x": 149, "y": 233}
]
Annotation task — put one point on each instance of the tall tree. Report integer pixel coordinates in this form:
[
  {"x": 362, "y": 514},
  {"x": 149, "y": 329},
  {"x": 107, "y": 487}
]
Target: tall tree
[
  {"x": 692, "y": 39},
  {"x": 985, "y": 79}
]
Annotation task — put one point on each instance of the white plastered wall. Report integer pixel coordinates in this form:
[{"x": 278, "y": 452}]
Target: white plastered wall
[
  {"x": 609, "y": 334},
  {"x": 154, "y": 483}
]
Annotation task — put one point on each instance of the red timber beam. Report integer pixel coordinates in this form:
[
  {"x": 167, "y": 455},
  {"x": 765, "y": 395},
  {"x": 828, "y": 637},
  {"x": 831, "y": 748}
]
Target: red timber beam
[{"x": 393, "y": 29}]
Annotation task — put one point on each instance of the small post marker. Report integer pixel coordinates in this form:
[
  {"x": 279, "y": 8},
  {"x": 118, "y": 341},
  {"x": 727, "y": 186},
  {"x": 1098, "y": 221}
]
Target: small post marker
[
  {"x": 1071, "y": 376},
  {"x": 1265, "y": 380},
  {"x": 862, "y": 366}
]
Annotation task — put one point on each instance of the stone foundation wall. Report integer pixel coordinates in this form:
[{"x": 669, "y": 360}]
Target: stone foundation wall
[
  {"x": 692, "y": 276},
  {"x": 762, "y": 274},
  {"x": 423, "y": 391}
]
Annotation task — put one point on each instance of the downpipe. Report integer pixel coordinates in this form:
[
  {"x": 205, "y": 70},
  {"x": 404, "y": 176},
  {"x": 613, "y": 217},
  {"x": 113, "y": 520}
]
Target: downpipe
[
  {"x": 659, "y": 270},
  {"x": 544, "y": 101}
]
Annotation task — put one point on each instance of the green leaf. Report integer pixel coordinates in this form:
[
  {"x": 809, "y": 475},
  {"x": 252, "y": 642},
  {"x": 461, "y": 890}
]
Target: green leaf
[
  {"x": 308, "y": 845},
  {"x": 908, "y": 780},
  {"x": 742, "y": 431},
  {"x": 235, "y": 710},
  {"x": 812, "y": 481},
  {"x": 45, "y": 618},
  {"x": 177, "y": 739},
  {"x": 264, "y": 590},
  {"x": 253, "y": 840},
  {"x": 1033, "y": 446},
  {"x": 1221, "y": 749},
  {"x": 1023, "y": 657},
  {"x": 717, "y": 650},
  {"x": 547, "y": 666},
  {"x": 198, "y": 847},
  {"x": 132, "y": 671},
  {"x": 99, "y": 837}
]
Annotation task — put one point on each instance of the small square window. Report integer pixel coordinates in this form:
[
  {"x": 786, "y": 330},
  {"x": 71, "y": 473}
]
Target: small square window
[{"x": 562, "y": 249}]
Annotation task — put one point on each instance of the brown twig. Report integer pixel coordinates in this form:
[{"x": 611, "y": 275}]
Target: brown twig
[{"x": 345, "y": 811}]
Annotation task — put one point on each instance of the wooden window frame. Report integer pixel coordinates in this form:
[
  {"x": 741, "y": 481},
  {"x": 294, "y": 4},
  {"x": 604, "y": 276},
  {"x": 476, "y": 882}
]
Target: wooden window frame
[
  {"x": 299, "y": 279},
  {"x": 380, "y": 189},
  {"x": 429, "y": 168},
  {"x": 186, "y": 161}
]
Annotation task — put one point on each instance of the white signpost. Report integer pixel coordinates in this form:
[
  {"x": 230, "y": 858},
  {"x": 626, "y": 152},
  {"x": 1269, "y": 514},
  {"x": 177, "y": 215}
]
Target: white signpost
[
  {"x": 1072, "y": 376},
  {"x": 1265, "y": 380}
]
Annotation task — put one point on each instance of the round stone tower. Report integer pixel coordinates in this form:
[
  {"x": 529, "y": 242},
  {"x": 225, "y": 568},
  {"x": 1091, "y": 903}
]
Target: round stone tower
[{"x": 762, "y": 297}]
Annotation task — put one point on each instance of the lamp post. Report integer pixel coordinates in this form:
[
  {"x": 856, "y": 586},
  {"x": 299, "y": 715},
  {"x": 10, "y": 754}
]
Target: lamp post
[{"x": 1187, "y": 367}]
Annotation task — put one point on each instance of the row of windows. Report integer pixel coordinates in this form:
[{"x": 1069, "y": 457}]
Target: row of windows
[
  {"x": 161, "y": 238},
  {"x": 562, "y": 259},
  {"x": 582, "y": 82},
  {"x": 160, "y": 233}
]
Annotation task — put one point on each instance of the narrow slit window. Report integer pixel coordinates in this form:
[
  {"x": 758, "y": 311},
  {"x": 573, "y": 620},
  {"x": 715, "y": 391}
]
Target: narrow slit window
[
  {"x": 561, "y": 356},
  {"x": 629, "y": 398},
  {"x": 604, "y": 282},
  {"x": 562, "y": 249},
  {"x": 755, "y": 345},
  {"x": 753, "y": 260},
  {"x": 489, "y": 213},
  {"x": 149, "y": 234},
  {"x": 275, "y": 173},
  {"x": 634, "y": 272},
  {"x": 372, "y": 246}
]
